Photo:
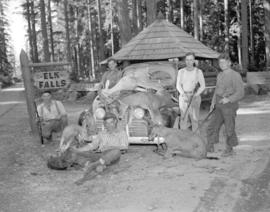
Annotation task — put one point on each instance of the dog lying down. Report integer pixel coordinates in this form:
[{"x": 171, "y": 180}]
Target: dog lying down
[{"x": 184, "y": 143}]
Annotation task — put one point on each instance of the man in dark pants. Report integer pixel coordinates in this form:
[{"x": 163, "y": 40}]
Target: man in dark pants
[{"x": 229, "y": 90}]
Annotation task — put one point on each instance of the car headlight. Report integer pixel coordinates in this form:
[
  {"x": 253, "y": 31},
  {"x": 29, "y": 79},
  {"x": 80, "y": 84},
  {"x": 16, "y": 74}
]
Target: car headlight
[
  {"x": 100, "y": 113},
  {"x": 139, "y": 113}
]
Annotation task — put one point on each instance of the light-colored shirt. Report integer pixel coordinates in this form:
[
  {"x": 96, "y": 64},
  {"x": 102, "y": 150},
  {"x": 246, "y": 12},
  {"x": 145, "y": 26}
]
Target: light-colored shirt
[
  {"x": 187, "y": 80},
  {"x": 53, "y": 111},
  {"x": 106, "y": 140},
  {"x": 230, "y": 85}
]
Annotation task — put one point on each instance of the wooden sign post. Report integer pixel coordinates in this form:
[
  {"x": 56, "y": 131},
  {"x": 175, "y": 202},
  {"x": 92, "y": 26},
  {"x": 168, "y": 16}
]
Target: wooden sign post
[
  {"x": 41, "y": 76},
  {"x": 29, "y": 91}
]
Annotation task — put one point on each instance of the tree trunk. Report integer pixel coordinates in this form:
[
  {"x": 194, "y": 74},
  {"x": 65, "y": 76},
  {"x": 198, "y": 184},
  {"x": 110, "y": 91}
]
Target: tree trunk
[
  {"x": 139, "y": 12},
  {"x": 227, "y": 33},
  {"x": 77, "y": 45},
  {"x": 34, "y": 32},
  {"x": 151, "y": 7},
  {"x": 112, "y": 35},
  {"x": 239, "y": 36},
  {"x": 170, "y": 11},
  {"x": 75, "y": 59},
  {"x": 201, "y": 8},
  {"x": 134, "y": 17},
  {"x": 182, "y": 14},
  {"x": 101, "y": 53},
  {"x": 51, "y": 30},
  {"x": 92, "y": 73},
  {"x": 124, "y": 23},
  {"x": 251, "y": 33},
  {"x": 195, "y": 19},
  {"x": 68, "y": 50},
  {"x": 44, "y": 31},
  {"x": 3, "y": 46},
  {"x": 266, "y": 4},
  {"x": 244, "y": 37},
  {"x": 29, "y": 30}
]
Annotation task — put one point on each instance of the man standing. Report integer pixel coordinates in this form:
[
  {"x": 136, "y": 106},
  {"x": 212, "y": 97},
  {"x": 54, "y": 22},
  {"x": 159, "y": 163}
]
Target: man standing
[
  {"x": 53, "y": 116},
  {"x": 187, "y": 80},
  {"x": 229, "y": 90}
]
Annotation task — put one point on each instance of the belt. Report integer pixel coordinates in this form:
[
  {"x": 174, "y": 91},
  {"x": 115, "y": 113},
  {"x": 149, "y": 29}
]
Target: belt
[{"x": 49, "y": 120}]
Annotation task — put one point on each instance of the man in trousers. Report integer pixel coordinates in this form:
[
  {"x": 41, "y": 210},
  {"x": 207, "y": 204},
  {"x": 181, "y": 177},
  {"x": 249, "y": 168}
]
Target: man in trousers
[{"x": 229, "y": 90}]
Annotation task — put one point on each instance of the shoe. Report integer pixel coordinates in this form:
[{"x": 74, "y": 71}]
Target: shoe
[{"x": 227, "y": 152}]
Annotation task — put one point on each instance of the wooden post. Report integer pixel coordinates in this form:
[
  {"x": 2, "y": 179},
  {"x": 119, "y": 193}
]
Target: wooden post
[{"x": 29, "y": 91}]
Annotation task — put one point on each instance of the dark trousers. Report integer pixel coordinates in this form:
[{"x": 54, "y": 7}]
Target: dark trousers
[
  {"x": 223, "y": 114},
  {"x": 69, "y": 158},
  {"x": 55, "y": 125},
  {"x": 109, "y": 156}
]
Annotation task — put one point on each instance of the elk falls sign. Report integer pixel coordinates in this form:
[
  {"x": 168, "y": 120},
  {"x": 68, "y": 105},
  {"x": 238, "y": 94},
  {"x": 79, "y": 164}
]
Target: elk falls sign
[{"x": 51, "y": 75}]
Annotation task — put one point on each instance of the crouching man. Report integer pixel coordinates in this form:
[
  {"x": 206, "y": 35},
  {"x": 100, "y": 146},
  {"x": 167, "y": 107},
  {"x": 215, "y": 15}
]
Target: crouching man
[{"x": 53, "y": 115}]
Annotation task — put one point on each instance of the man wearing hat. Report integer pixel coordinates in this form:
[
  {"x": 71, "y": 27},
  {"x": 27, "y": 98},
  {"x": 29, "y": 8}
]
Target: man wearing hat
[{"x": 53, "y": 115}]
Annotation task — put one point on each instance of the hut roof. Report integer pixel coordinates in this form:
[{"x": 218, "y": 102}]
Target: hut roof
[{"x": 163, "y": 40}]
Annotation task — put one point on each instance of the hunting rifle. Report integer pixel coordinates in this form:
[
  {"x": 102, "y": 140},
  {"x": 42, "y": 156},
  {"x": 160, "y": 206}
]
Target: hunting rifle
[
  {"x": 205, "y": 119},
  {"x": 191, "y": 98},
  {"x": 38, "y": 124}
]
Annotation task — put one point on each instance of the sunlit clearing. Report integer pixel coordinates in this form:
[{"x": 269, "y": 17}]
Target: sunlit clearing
[
  {"x": 12, "y": 89},
  {"x": 248, "y": 111},
  {"x": 11, "y": 102},
  {"x": 254, "y": 137}
]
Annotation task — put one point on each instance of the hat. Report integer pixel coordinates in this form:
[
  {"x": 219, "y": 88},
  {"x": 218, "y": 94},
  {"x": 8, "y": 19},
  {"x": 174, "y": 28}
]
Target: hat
[
  {"x": 46, "y": 93},
  {"x": 109, "y": 115}
]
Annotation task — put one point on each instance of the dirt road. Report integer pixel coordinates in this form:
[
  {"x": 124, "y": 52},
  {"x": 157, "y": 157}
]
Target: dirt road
[{"x": 142, "y": 181}]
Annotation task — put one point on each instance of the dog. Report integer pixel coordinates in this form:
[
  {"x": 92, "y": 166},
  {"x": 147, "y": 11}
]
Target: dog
[
  {"x": 72, "y": 133},
  {"x": 78, "y": 133},
  {"x": 184, "y": 143}
]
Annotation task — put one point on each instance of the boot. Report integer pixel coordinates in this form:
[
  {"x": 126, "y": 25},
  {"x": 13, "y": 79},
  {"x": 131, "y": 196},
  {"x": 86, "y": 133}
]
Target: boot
[{"x": 228, "y": 151}]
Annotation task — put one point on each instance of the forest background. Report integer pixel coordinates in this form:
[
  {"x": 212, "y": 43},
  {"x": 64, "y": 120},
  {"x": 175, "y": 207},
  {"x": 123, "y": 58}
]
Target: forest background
[{"x": 86, "y": 32}]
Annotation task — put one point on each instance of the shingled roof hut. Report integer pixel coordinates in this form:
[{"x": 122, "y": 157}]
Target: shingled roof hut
[{"x": 162, "y": 40}]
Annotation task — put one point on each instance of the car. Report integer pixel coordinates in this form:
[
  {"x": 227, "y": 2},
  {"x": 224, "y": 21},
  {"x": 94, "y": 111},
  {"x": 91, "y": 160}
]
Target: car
[{"x": 146, "y": 95}]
